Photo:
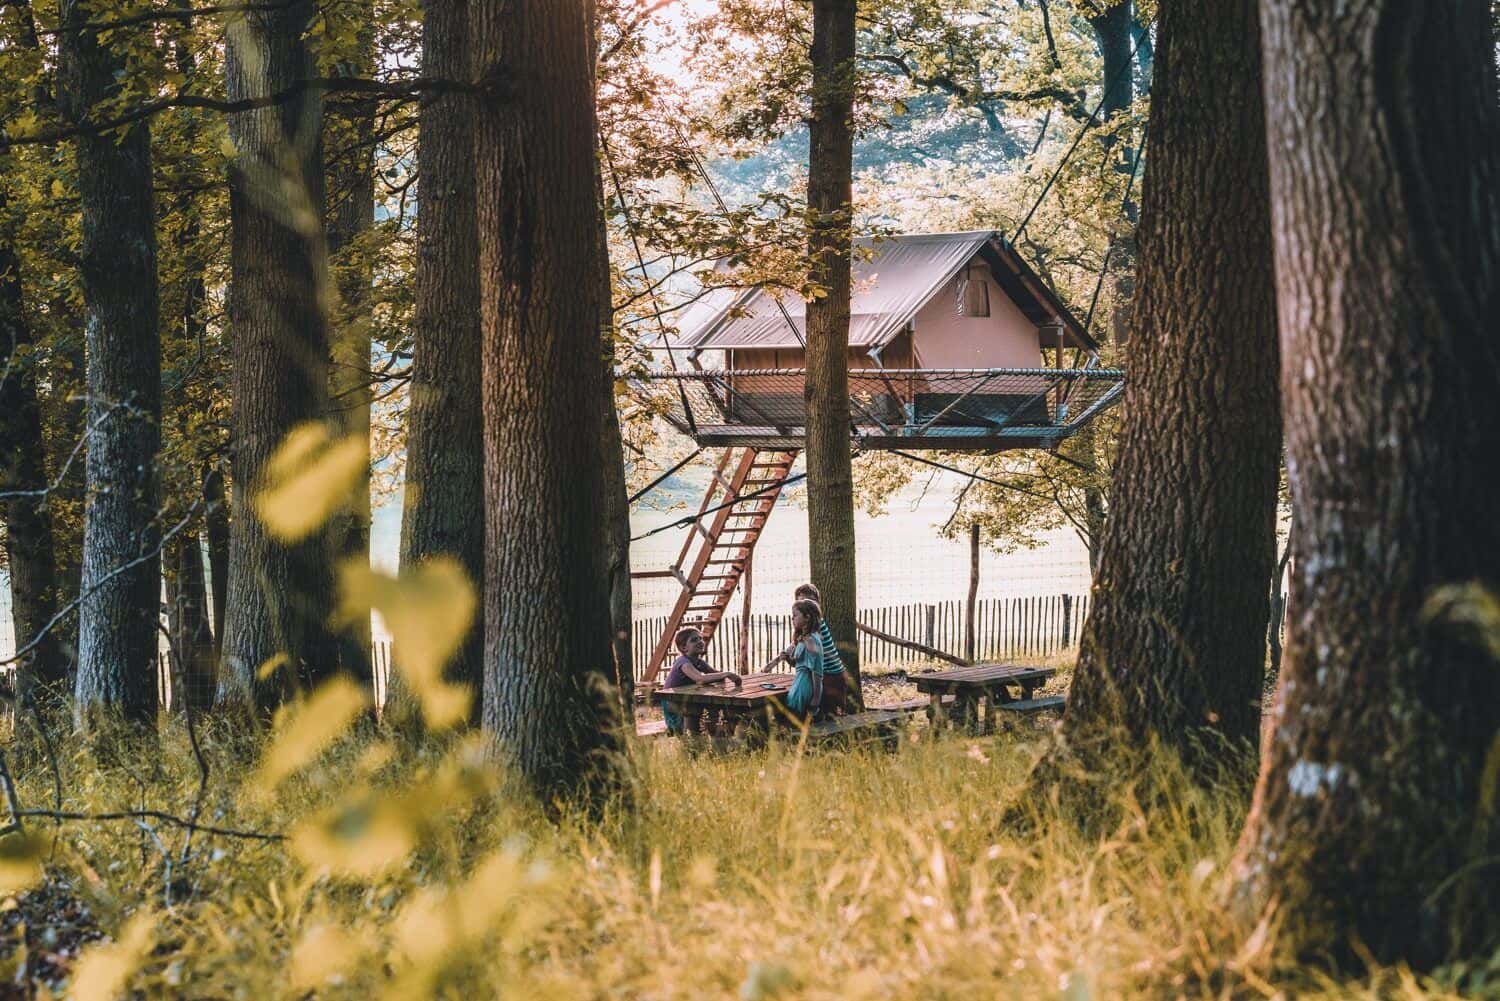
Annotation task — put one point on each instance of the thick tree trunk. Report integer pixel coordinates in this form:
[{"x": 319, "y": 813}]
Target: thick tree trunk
[
  {"x": 830, "y": 476},
  {"x": 278, "y": 594},
  {"x": 121, "y": 583},
  {"x": 64, "y": 408},
  {"x": 23, "y": 496},
  {"x": 444, "y": 500},
  {"x": 1174, "y": 645},
  {"x": 350, "y": 127},
  {"x": 187, "y": 625},
  {"x": 216, "y": 535},
  {"x": 548, "y": 676},
  {"x": 1112, "y": 35},
  {"x": 614, "y": 505},
  {"x": 1371, "y": 821}
]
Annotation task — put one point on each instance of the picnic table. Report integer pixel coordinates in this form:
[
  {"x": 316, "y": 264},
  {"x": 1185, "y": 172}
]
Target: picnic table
[
  {"x": 754, "y": 700},
  {"x": 991, "y": 683}
]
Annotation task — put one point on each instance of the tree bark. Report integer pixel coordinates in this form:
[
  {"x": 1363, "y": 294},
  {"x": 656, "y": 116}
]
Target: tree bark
[
  {"x": 216, "y": 535},
  {"x": 444, "y": 498},
  {"x": 548, "y": 696},
  {"x": 1174, "y": 646},
  {"x": 614, "y": 552},
  {"x": 830, "y": 476},
  {"x": 278, "y": 594},
  {"x": 349, "y": 125},
  {"x": 24, "y": 495},
  {"x": 187, "y": 625},
  {"x": 1372, "y": 820},
  {"x": 121, "y": 558}
]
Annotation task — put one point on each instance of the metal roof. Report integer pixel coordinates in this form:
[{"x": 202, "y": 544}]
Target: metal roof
[{"x": 893, "y": 277}]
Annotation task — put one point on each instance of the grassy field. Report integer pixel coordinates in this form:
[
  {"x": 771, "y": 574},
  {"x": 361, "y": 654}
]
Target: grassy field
[{"x": 761, "y": 874}]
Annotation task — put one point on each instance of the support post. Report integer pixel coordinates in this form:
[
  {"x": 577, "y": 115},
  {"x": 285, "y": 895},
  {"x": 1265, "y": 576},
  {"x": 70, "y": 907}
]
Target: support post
[
  {"x": 973, "y": 591},
  {"x": 745, "y": 615}
]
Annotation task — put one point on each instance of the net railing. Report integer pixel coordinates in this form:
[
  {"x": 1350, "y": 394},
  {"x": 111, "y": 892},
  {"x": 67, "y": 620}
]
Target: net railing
[{"x": 891, "y": 403}]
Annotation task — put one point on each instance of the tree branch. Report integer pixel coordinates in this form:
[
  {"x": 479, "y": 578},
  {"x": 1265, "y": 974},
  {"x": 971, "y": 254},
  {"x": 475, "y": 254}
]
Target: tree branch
[{"x": 383, "y": 88}]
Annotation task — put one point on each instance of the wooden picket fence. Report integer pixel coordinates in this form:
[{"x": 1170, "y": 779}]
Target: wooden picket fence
[{"x": 1037, "y": 626}]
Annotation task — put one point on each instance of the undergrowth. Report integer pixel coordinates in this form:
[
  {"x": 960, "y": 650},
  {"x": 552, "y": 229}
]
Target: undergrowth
[{"x": 412, "y": 872}]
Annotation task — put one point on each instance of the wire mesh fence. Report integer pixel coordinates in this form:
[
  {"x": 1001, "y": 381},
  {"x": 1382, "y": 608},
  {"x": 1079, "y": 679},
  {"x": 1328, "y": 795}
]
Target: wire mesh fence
[{"x": 1031, "y": 406}]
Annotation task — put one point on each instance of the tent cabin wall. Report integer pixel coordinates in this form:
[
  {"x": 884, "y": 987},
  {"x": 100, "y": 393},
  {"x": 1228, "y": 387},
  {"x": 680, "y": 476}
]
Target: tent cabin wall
[{"x": 944, "y": 338}]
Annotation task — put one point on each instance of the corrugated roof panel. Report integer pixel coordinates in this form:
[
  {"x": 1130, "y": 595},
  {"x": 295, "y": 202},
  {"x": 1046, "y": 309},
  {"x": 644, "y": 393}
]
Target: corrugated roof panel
[{"x": 891, "y": 282}]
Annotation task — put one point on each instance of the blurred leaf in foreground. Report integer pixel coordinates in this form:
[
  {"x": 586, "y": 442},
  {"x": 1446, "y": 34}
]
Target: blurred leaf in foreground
[
  {"x": 428, "y": 610},
  {"x": 308, "y": 478},
  {"x": 104, "y": 969},
  {"x": 304, "y": 729}
]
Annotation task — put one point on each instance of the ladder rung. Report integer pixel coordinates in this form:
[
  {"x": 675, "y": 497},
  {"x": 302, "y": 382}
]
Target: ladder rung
[{"x": 723, "y": 562}]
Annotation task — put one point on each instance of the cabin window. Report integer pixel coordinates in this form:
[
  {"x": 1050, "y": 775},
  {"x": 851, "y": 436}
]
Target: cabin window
[{"x": 973, "y": 292}]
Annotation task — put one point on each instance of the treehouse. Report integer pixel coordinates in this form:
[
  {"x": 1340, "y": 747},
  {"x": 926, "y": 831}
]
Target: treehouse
[{"x": 955, "y": 343}]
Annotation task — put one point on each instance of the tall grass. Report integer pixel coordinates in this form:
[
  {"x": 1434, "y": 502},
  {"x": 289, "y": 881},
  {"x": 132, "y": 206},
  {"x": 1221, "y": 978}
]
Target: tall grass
[{"x": 755, "y": 874}]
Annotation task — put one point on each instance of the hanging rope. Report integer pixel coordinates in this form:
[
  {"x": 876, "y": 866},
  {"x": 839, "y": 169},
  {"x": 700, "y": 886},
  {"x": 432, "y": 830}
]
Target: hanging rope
[
  {"x": 690, "y": 519},
  {"x": 1078, "y": 139},
  {"x": 640, "y": 259},
  {"x": 643, "y": 491},
  {"x": 724, "y": 208}
]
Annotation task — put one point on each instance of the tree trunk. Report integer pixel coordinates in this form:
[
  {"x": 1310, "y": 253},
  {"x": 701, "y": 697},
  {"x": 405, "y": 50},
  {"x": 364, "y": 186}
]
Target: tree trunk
[
  {"x": 1372, "y": 819},
  {"x": 969, "y": 643},
  {"x": 548, "y": 673},
  {"x": 121, "y": 558},
  {"x": 830, "y": 478},
  {"x": 1112, "y": 34},
  {"x": 614, "y": 552},
  {"x": 216, "y": 534},
  {"x": 187, "y": 625},
  {"x": 24, "y": 496},
  {"x": 278, "y": 594},
  {"x": 64, "y": 408},
  {"x": 349, "y": 125},
  {"x": 444, "y": 497},
  {"x": 1174, "y": 644},
  {"x": 1278, "y": 611}
]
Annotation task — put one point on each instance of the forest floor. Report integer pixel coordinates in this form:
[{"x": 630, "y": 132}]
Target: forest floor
[{"x": 409, "y": 872}]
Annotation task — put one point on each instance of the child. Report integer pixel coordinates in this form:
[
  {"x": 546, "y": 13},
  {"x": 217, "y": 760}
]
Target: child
[
  {"x": 806, "y": 655},
  {"x": 835, "y": 681},
  {"x": 691, "y": 669}
]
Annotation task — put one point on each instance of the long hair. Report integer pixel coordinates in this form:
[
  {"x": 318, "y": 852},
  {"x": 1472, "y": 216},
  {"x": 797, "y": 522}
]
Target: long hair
[{"x": 812, "y": 615}]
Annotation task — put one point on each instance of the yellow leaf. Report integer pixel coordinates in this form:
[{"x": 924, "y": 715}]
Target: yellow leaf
[
  {"x": 306, "y": 729},
  {"x": 20, "y": 861},
  {"x": 428, "y": 611},
  {"x": 273, "y": 663},
  {"x": 59, "y": 190},
  {"x": 103, "y": 969},
  {"x": 309, "y": 477},
  {"x": 324, "y": 952},
  {"x": 373, "y": 831},
  {"x": 226, "y": 146}
]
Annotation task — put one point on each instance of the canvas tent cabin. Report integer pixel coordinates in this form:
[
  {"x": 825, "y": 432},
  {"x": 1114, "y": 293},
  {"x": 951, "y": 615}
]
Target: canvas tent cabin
[{"x": 955, "y": 342}]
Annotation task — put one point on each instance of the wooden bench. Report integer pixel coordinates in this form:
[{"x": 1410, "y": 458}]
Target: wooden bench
[
  {"x": 881, "y": 726},
  {"x": 1028, "y": 707},
  {"x": 651, "y": 728},
  {"x": 920, "y": 704}
]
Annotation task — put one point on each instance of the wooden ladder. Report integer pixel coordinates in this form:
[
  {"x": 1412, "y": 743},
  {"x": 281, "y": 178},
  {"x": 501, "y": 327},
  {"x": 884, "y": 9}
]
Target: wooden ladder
[{"x": 720, "y": 542}]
